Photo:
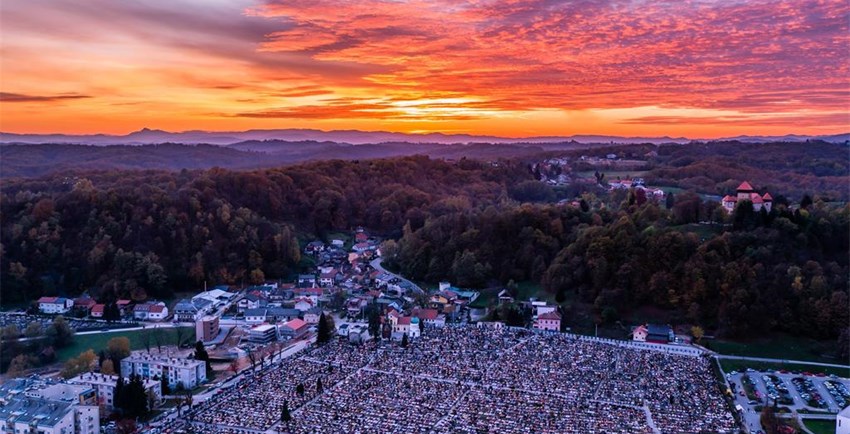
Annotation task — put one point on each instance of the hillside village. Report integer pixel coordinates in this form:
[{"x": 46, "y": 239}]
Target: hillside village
[{"x": 347, "y": 296}]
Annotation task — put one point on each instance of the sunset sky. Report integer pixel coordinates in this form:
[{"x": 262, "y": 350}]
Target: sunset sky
[{"x": 513, "y": 68}]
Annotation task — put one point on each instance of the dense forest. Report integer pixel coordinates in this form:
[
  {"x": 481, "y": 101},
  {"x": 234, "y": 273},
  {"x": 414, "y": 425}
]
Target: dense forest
[
  {"x": 784, "y": 270},
  {"x": 151, "y": 233}
]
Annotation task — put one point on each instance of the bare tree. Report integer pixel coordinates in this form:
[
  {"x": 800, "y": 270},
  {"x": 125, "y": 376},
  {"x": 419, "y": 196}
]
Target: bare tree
[
  {"x": 158, "y": 339},
  {"x": 253, "y": 358},
  {"x": 146, "y": 339},
  {"x": 179, "y": 334}
]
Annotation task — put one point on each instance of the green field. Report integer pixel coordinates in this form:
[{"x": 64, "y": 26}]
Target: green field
[
  {"x": 97, "y": 341},
  {"x": 526, "y": 290},
  {"x": 820, "y": 426},
  {"x": 778, "y": 347},
  {"x": 742, "y": 365}
]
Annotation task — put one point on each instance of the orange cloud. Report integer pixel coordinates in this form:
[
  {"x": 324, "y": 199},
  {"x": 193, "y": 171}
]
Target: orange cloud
[{"x": 515, "y": 67}]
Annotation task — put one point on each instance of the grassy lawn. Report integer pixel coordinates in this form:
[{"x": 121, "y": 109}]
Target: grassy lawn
[
  {"x": 742, "y": 365},
  {"x": 344, "y": 236},
  {"x": 486, "y": 297},
  {"x": 527, "y": 289},
  {"x": 820, "y": 426},
  {"x": 97, "y": 341},
  {"x": 778, "y": 347}
]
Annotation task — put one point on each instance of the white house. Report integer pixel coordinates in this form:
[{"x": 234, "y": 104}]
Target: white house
[
  {"x": 548, "y": 321},
  {"x": 256, "y": 316},
  {"x": 406, "y": 325},
  {"x": 327, "y": 278},
  {"x": 150, "y": 311},
  {"x": 312, "y": 316},
  {"x": 54, "y": 304},
  {"x": 505, "y": 296},
  {"x": 304, "y": 304},
  {"x": 639, "y": 333}
]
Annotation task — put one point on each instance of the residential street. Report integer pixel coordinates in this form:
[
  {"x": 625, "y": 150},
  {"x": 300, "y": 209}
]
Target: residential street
[{"x": 377, "y": 264}]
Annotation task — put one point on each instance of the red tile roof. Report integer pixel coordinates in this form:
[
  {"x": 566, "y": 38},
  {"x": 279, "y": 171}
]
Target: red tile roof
[
  {"x": 745, "y": 186},
  {"x": 767, "y": 197},
  {"x": 728, "y": 198},
  {"x": 405, "y": 320},
  {"x": 98, "y": 308},
  {"x": 157, "y": 308},
  {"x": 295, "y": 324},
  {"x": 47, "y": 299},
  {"x": 425, "y": 314},
  {"x": 87, "y": 302},
  {"x": 550, "y": 315}
]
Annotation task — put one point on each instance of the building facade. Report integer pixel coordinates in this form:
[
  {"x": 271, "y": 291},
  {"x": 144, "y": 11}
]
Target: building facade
[
  {"x": 104, "y": 387},
  {"x": 207, "y": 328},
  {"x": 188, "y": 373}
]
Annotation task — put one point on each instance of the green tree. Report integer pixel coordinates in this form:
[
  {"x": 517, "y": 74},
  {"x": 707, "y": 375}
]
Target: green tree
[
  {"x": 324, "y": 332},
  {"x": 201, "y": 354},
  {"x": 285, "y": 416},
  {"x": 60, "y": 332},
  {"x": 33, "y": 330},
  {"x": 374, "y": 322}
]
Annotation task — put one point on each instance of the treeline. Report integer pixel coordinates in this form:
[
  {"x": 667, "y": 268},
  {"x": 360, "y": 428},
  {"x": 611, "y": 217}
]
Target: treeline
[
  {"x": 138, "y": 234},
  {"x": 786, "y": 270},
  {"x": 787, "y": 169}
]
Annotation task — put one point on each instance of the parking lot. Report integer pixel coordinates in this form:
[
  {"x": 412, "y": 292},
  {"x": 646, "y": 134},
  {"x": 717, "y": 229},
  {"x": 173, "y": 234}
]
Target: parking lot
[{"x": 795, "y": 391}]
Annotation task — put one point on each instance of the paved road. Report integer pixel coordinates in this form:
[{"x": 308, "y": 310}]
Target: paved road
[
  {"x": 377, "y": 264},
  {"x": 796, "y": 362}
]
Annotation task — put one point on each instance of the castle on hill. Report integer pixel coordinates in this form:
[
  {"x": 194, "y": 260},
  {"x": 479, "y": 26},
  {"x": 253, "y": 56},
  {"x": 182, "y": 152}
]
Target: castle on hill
[{"x": 745, "y": 191}]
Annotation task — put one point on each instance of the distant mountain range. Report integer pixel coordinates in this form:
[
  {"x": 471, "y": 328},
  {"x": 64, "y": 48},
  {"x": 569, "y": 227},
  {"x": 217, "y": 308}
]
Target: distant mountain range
[{"x": 147, "y": 136}]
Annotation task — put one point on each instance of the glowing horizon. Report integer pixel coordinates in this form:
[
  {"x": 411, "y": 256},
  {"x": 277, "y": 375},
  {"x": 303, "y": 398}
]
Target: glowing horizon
[{"x": 510, "y": 68}]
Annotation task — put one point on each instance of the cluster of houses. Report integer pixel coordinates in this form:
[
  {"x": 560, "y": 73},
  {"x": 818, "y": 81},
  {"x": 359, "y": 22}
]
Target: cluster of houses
[
  {"x": 344, "y": 279},
  {"x": 655, "y": 194},
  {"x": 745, "y": 191},
  {"x": 87, "y": 306}
]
